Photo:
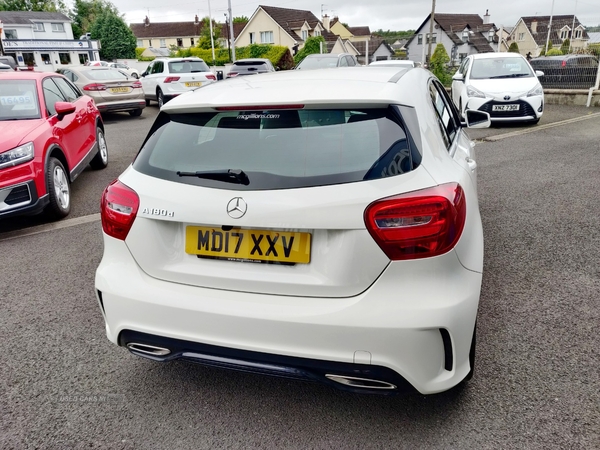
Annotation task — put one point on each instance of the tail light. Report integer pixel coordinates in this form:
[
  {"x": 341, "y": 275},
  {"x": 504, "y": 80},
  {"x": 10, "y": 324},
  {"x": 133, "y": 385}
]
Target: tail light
[
  {"x": 564, "y": 64},
  {"x": 94, "y": 87},
  {"x": 210, "y": 76},
  {"x": 137, "y": 85},
  {"x": 171, "y": 79},
  {"x": 418, "y": 224},
  {"x": 118, "y": 208},
  {"x": 232, "y": 74}
]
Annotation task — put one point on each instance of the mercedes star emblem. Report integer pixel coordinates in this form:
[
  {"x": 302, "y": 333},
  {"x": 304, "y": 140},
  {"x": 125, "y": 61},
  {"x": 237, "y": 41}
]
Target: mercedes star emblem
[
  {"x": 236, "y": 207},
  {"x": 507, "y": 97}
]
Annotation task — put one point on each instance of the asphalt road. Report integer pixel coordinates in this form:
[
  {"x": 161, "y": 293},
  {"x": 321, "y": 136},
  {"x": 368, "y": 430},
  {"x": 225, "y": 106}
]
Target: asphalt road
[{"x": 537, "y": 377}]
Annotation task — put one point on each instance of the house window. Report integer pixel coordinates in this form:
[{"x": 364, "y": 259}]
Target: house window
[
  {"x": 163, "y": 43},
  {"x": 59, "y": 27},
  {"x": 578, "y": 33},
  {"x": 521, "y": 36},
  {"x": 252, "y": 38},
  {"x": 46, "y": 58},
  {"x": 433, "y": 38},
  {"x": 266, "y": 37},
  {"x": 65, "y": 58},
  {"x": 140, "y": 42},
  {"x": 491, "y": 35},
  {"x": 10, "y": 34},
  {"x": 192, "y": 42},
  {"x": 38, "y": 26},
  {"x": 28, "y": 59},
  {"x": 149, "y": 42},
  {"x": 465, "y": 36},
  {"x": 317, "y": 32},
  {"x": 304, "y": 35},
  {"x": 420, "y": 39},
  {"x": 179, "y": 42},
  {"x": 564, "y": 33}
]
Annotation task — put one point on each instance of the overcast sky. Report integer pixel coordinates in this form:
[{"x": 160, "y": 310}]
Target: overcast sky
[{"x": 385, "y": 14}]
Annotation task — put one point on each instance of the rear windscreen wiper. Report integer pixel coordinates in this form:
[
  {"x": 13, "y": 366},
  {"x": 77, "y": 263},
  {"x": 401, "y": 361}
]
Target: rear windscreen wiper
[{"x": 237, "y": 176}]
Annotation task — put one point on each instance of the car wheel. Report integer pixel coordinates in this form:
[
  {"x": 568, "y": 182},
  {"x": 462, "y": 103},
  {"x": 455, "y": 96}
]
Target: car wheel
[
  {"x": 135, "y": 112},
  {"x": 135, "y": 75},
  {"x": 160, "y": 97},
  {"x": 147, "y": 102},
  {"x": 100, "y": 161},
  {"x": 59, "y": 190}
]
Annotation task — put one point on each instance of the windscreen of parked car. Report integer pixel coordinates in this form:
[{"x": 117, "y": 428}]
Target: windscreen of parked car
[
  {"x": 104, "y": 75},
  {"x": 277, "y": 149},
  {"x": 321, "y": 62},
  {"x": 500, "y": 67},
  {"x": 18, "y": 100},
  {"x": 188, "y": 67}
]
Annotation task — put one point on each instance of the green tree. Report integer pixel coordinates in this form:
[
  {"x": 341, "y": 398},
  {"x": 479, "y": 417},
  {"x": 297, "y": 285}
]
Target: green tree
[
  {"x": 204, "y": 41},
  {"x": 565, "y": 47},
  {"x": 311, "y": 45},
  {"x": 439, "y": 64},
  {"x": 85, "y": 12},
  {"x": 513, "y": 48},
  {"x": 33, "y": 5},
  {"x": 116, "y": 37},
  {"x": 240, "y": 19}
]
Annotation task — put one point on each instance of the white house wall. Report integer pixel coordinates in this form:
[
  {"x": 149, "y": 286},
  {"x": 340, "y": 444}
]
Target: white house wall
[{"x": 263, "y": 22}]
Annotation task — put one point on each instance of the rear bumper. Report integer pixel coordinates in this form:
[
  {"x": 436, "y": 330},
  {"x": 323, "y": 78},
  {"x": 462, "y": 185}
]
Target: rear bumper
[
  {"x": 122, "y": 106},
  {"x": 393, "y": 331}
]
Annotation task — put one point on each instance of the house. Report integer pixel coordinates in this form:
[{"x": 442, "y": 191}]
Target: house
[
  {"x": 531, "y": 33},
  {"x": 353, "y": 34},
  {"x": 164, "y": 35},
  {"x": 375, "y": 49},
  {"x": 44, "y": 40},
  {"x": 461, "y": 35},
  {"x": 282, "y": 26}
]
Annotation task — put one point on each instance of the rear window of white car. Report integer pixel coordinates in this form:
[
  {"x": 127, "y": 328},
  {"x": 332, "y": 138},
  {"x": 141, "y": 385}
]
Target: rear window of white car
[
  {"x": 188, "y": 67},
  {"x": 104, "y": 74},
  {"x": 277, "y": 149}
]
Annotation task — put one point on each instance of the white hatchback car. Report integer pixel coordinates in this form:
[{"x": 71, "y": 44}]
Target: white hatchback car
[
  {"x": 501, "y": 84},
  {"x": 165, "y": 79},
  {"x": 318, "y": 224}
]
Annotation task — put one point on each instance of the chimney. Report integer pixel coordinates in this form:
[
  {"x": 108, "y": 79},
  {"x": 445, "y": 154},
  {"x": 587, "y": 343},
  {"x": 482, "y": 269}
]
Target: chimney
[
  {"x": 326, "y": 22},
  {"x": 146, "y": 22},
  {"x": 196, "y": 19},
  {"x": 486, "y": 18},
  {"x": 534, "y": 26}
]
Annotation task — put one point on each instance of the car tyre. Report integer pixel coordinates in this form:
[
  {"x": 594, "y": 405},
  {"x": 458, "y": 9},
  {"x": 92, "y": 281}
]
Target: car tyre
[
  {"x": 135, "y": 75},
  {"x": 135, "y": 112},
  {"x": 100, "y": 161},
  {"x": 59, "y": 190},
  {"x": 160, "y": 98},
  {"x": 147, "y": 102}
]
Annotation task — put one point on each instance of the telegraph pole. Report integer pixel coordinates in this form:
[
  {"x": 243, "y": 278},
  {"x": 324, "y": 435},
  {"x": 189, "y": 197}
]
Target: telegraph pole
[
  {"x": 232, "y": 36},
  {"x": 431, "y": 20},
  {"x": 549, "y": 27}
]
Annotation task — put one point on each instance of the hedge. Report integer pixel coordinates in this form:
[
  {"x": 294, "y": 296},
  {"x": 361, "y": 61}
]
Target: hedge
[{"x": 279, "y": 55}]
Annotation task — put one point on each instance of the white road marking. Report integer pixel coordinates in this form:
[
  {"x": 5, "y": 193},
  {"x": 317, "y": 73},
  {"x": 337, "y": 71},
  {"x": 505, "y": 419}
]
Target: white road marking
[
  {"x": 499, "y": 137},
  {"x": 67, "y": 223}
]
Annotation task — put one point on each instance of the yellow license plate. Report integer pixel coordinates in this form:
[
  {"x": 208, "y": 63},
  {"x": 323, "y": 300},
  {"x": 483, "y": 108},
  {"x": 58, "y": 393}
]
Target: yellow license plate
[
  {"x": 119, "y": 90},
  {"x": 193, "y": 84},
  {"x": 248, "y": 245}
]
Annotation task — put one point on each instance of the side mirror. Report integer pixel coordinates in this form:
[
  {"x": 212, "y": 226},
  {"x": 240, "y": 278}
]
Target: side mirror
[
  {"x": 539, "y": 73},
  {"x": 477, "y": 119},
  {"x": 63, "y": 108},
  {"x": 458, "y": 77},
  {"x": 144, "y": 73}
]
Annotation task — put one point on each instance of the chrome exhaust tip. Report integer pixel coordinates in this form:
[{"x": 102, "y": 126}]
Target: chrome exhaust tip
[
  {"x": 364, "y": 383},
  {"x": 147, "y": 349}
]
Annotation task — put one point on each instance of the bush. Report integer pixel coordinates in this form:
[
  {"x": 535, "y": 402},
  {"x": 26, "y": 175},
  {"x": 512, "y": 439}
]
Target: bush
[
  {"x": 565, "y": 47},
  {"x": 279, "y": 55},
  {"x": 513, "y": 48},
  {"x": 311, "y": 45},
  {"x": 554, "y": 52},
  {"x": 594, "y": 49},
  {"x": 439, "y": 64}
]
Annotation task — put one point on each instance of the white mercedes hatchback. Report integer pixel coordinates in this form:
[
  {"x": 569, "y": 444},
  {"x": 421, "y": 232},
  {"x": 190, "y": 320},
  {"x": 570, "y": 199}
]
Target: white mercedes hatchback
[
  {"x": 501, "y": 84},
  {"x": 320, "y": 225}
]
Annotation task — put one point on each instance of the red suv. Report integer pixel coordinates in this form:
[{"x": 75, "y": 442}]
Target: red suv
[{"x": 49, "y": 133}]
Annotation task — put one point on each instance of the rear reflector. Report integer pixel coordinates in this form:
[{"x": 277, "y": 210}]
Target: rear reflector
[
  {"x": 171, "y": 79},
  {"x": 136, "y": 84},
  {"x": 418, "y": 224},
  {"x": 211, "y": 77},
  {"x": 118, "y": 208}
]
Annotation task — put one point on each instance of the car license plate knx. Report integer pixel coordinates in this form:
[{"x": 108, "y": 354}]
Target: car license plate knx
[
  {"x": 119, "y": 90},
  {"x": 193, "y": 84},
  {"x": 248, "y": 244},
  {"x": 511, "y": 107}
]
